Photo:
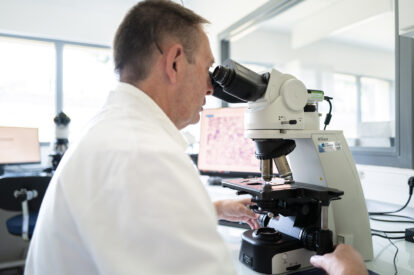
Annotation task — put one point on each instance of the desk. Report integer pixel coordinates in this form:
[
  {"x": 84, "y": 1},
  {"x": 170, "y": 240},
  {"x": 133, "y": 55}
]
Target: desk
[{"x": 383, "y": 250}]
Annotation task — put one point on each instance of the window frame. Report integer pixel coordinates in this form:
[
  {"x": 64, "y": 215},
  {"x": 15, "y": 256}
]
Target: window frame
[
  {"x": 59, "y": 45},
  {"x": 402, "y": 153},
  {"x": 358, "y": 84}
]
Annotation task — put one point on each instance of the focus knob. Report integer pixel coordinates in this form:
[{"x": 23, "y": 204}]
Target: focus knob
[{"x": 295, "y": 94}]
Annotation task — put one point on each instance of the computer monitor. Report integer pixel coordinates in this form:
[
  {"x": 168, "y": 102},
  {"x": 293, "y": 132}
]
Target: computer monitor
[
  {"x": 19, "y": 145},
  {"x": 223, "y": 148}
]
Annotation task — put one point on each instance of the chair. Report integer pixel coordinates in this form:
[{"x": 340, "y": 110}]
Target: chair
[{"x": 25, "y": 194}]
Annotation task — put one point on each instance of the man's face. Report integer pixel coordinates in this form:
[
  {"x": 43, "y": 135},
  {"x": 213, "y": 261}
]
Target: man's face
[{"x": 196, "y": 84}]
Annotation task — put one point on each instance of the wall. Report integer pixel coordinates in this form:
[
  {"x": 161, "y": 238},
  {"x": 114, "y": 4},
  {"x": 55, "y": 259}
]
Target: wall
[
  {"x": 385, "y": 184},
  {"x": 88, "y": 22},
  {"x": 406, "y": 15},
  {"x": 327, "y": 54}
]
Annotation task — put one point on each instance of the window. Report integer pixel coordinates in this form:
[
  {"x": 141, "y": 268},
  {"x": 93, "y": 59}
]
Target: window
[
  {"x": 41, "y": 77},
  {"x": 27, "y": 85},
  {"x": 88, "y": 76},
  {"x": 377, "y": 123},
  {"x": 345, "y": 93},
  {"x": 355, "y": 59}
]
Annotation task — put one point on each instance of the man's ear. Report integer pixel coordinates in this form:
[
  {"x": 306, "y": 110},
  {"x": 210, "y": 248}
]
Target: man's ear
[{"x": 174, "y": 61}]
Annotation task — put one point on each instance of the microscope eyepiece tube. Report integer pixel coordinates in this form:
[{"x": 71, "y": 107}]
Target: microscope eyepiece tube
[
  {"x": 239, "y": 81},
  {"x": 266, "y": 169},
  {"x": 283, "y": 168},
  {"x": 223, "y": 75}
]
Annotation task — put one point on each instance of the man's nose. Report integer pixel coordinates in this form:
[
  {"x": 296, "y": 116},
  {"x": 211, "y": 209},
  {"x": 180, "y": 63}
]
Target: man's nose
[{"x": 210, "y": 89}]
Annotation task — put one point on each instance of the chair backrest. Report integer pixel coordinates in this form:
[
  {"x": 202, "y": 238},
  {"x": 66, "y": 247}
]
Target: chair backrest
[{"x": 9, "y": 184}]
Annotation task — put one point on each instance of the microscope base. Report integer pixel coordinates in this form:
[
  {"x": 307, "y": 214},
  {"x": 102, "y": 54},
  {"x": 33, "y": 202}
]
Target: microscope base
[{"x": 273, "y": 257}]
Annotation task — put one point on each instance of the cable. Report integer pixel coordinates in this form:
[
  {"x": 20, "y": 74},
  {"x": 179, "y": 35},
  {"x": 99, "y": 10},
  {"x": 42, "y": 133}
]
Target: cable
[
  {"x": 387, "y": 213},
  {"x": 328, "y": 115},
  {"x": 395, "y": 216},
  {"x": 386, "y": 237},
  {"x": 397, "y": 221},
  {"x": 395, "y": 211},
  {"x": 393, "y": 244},
  {"x": 391, "y": 232}
]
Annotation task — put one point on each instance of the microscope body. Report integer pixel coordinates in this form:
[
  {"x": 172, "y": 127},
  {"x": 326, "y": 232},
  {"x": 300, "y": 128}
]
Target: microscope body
[
  {"x": 283, "y": 119},
  {"x": 321, "y": 157}
]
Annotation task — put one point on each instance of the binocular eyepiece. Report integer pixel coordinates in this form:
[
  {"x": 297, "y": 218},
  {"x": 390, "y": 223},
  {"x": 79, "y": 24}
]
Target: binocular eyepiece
[{"x": 235, "y": 83}]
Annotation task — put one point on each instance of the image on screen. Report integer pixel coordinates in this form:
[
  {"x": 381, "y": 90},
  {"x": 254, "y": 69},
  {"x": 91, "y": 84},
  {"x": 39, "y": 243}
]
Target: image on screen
[
  {"x": 19, "y": 145},
  {"x": 223, "y": 147}
]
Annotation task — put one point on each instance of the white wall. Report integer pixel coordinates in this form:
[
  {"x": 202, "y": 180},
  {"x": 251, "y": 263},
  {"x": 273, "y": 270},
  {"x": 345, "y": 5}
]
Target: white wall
[
  {"x": 89, "y": 22},
  {"x": 273, "y": 47},
  {"x": 385, "y": 183},
  {"x": 95, "y": 21},
  {"x": 406, "y": 15}
]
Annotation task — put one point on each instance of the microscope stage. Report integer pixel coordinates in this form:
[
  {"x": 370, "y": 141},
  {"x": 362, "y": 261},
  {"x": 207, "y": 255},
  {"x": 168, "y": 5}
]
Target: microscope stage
[{"x": 282, "y": 190}]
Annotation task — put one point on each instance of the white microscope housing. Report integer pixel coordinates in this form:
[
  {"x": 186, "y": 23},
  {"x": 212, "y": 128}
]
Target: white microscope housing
[{"x": 276, "y": 110}]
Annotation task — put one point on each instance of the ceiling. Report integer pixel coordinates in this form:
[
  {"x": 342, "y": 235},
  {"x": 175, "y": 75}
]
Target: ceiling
[{"x": 377, "y": 31}]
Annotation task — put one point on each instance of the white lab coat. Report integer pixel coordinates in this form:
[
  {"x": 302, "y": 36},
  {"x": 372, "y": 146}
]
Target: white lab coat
[{"x": 126, "y": 199}]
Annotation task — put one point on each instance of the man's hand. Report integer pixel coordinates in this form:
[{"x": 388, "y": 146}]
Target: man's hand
[
  {"x": 237, "y": 211},
  {"x": 345, "y": 260}
]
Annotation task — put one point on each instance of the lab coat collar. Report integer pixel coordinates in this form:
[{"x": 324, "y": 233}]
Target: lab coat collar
[{"x": 132, "y": 97}]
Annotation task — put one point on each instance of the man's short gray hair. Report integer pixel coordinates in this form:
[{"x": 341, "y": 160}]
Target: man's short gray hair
[{"x": 145, "y": 26}]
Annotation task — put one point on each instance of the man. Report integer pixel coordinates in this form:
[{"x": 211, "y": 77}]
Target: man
[{"x": 125, "y": 198}]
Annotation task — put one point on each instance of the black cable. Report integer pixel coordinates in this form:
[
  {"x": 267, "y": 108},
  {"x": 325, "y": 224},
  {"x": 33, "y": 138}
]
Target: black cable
[
  {"x": 388, "y": 213},
  {"x": 393, "y": 244},
  {"x": 328, "y": 115},
  {"x": 394, "y": 211},
  {"x": 386, "y": 237},
  {"x": 397, "y": 221},
  {"x": 394, "y": 216},
  {"x": 391, "y": 232}
]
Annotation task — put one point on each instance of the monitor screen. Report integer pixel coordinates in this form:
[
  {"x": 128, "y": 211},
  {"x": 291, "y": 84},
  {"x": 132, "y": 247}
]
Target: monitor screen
[
  {"x": 19, "y": 145},
  {"x": 223, "y": 147}
]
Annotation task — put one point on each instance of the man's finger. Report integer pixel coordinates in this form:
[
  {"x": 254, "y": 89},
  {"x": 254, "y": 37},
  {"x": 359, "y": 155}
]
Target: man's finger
[
  {"x": 316, "y": 261},
  {"x": 246, "y": 201},
  {"x": 250, "y": 224},
  {"x": 250, "y": 214}
]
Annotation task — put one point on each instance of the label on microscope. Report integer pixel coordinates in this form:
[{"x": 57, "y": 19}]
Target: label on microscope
[{"x": 329, "y": 146}]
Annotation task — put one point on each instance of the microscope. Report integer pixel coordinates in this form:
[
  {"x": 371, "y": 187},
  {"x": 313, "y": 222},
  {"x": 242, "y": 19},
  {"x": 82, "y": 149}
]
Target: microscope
[
  {"x": 314, "y": 167},
  {"x": 61, "y": 143}
]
